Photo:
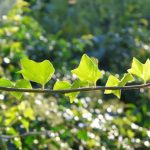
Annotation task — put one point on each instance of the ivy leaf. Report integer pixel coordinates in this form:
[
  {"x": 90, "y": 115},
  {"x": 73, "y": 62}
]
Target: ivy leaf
[
  {"x": 137, "y": 68},
  {"x": 140, "y": 70},
  {"x": 114, "y": 81},
  {"x": 39, "y": 72},
  {"x": 62, "y": 85},
  {"x": 25, "y": 123},
  {"x": 6, "y": 83},
  {"x": 77, "y": 84},
  {"x": 126, "y": 78},
  {"x": 146, "y": 70},
  {"x": 21, "y": 84},
  {"x": 87, "y": 70},
  {"x": 29, "y": 113}
]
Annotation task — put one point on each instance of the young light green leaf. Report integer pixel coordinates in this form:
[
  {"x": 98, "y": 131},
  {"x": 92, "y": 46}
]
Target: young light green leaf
[
  {"x": 140, "y": 70},
  {"x": 62, "y": 85},
  {"x": 113, "y": 81},
  {"x": 126, "y": 78},
  {"x": 25, "y": 123},
  {"x": 137, "y": 68},
  {"x": 21, "y": 84},
  {"x": 95, "y": 60},
  {"x": 77, "y": 84},
  {"x": 6, "y": 83},
  {"x": 29, "y": 113},
  {"x": 146, "y": 70},
  {"x": 87, "y": 70},
  {"x": 39, "y": 72}
]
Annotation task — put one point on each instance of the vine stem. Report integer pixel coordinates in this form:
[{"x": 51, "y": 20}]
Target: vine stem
[{"x": 83, "y": 89}]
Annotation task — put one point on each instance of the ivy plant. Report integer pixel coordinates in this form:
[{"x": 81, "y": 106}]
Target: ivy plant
[{"x": 87, "y": 74}]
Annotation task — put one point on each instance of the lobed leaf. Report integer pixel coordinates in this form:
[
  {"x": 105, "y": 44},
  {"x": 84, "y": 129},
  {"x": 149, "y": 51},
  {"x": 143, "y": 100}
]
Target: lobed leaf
[
  {"x": 87, "y": 70},
  {"x": 126, "y": 78},
  {"x": 39, "y": 72},
  {"x": 114, "y": 81},
  {"x": 6, "y": 83},
  {"x": 77, "y": 84},
  {"x": 146, "y": 71},
  {"x": 21, "y": 84},
  {"x": 63, "y": 85},
  {"x": 140, "y": 70}
]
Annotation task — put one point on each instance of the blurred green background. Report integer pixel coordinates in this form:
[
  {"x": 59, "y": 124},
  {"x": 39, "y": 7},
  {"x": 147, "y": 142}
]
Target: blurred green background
[{"x": 114, "y": 31}]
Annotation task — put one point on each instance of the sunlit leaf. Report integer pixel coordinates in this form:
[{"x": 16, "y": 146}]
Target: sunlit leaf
[
  {"x": 11, "y": 131},
  {"x": 146, "y": 70},
  {"x": 87, "y": 70},
  {"x": 126, "y": 78},
  {"x": 140, "y": 70},
  {"x": 62, "y": 85},
  {"x": 39, "y": 72},
  {"x": 114, "y": 81},
  {"x": 76, "y": 84},
  {"x": 137, "y": 68},
  {"x": 29, "y": 113},
  {"x": 25, "y": 123},
  {"x": 6, "y": 83},
  {"x": 10, "y": 115},
  {"x": 21, "y": 84}
]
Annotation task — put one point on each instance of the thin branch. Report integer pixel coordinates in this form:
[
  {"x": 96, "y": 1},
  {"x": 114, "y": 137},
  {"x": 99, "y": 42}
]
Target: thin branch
[{"x": 50, "y": 91}]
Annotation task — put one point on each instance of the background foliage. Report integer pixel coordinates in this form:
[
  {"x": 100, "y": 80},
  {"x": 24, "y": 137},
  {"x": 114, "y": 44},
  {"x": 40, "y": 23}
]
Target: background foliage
[{"x": 61, "y": 31}]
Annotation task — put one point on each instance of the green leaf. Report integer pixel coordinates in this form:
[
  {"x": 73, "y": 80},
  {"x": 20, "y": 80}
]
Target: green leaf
[
  {"x": 6, "y": 83},
  {"x": 140, "y": 70},
  {"x": 11, "y": 131},
  {"x": 62, "y": 85},
  {"x": 25, "y": 123},
  {"x": 114, "y": 81},
  {"x": 82, "y": 135},
  {"x": 21, "y": 84},
  {"x": 39, "y": 72},
  {"x": 18, "y": 143},
  {"x": 29, "y": 113},
  {"x": 146, "y": 70},
  {"x": 77, "y": 84},
  {"x": 126, "y": 78},
  {"x": 87, "y": 70},
  {"x": 137, "y": 68}
]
